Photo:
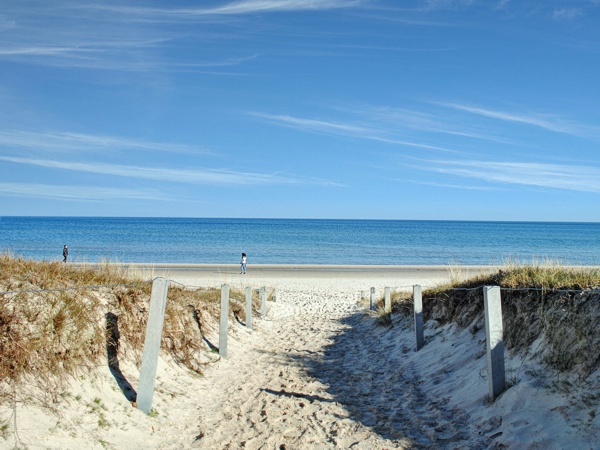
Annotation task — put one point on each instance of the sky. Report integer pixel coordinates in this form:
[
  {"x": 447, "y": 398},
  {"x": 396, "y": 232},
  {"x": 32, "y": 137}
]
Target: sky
[{"x": 357, "y": 109}]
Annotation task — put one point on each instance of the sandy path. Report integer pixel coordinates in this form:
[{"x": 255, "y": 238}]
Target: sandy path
[{"x": 313, "y": 375}]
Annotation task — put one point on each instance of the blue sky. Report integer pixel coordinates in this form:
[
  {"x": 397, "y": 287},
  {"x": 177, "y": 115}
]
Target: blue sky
[{"x": 375, "y": 109}]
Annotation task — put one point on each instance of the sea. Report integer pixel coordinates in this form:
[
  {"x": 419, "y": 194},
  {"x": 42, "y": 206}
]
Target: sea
[{"x": 299, "y": 241}]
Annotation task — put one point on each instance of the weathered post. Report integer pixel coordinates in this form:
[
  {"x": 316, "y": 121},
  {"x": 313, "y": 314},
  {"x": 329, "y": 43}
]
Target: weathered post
[
  {"x": 263, "y": 302},
  {"x": 418, "y": 307},
  {"x": 494, "y": 339},
  {"x": 362, "y": 295},
  {"x": 274, "y": 295},
  {"x": 248, "y": 307},
  {"x": 388, "y": 300},
  {"x": 372, "y": 300},
  {"x": 156, "y": 315},
  {"x": 224, "y": 324}
]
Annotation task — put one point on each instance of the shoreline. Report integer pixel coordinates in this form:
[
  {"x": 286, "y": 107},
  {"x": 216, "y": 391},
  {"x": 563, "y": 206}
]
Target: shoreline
[
  {"x": 346, "y": 277},
  {"x": 352, "y": 278},
  {"x": 332, "y": 267},
  {"x": 301, "y": 269},
  {"x": 298, "y": 267}
]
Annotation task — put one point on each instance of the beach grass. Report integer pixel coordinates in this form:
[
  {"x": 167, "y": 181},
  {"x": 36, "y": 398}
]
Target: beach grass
[
  {"x": 58, "y": 321},
  {"x": 542, "y": 274},
  {"x": 554, "y": 305}
]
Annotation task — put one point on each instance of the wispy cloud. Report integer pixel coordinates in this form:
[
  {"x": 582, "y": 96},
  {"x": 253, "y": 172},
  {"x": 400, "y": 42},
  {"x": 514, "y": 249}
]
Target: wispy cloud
[
  {"x": 430, "y": 123},
  {"x": 239, "y": 8},
  {"x": 447, "y": 4},
  {"x": 6, "y": 25},
  {"x": 66, "y": 192},
  {"x": 350, "y": 129},
  {"x": 545, "y": 121},
  {"x": 312, "y": 124},
  {"x": 120, "y": 37},
  {"x": 567, "y": 13},
  {"x": 557, "y": 10},
  {"x": 574, "y": 178},
  {"x": 132, "y": 57},
  {"x": 89, "y": 35},
  {"x": 250, "y": 6},
  {"x": 433, "y": 122},
  {"x": 451, "y": 186},
  {"x": 421, "y": 128},
  {"x": 81, "y": 142},
  {"x": 194, "y": 176}
]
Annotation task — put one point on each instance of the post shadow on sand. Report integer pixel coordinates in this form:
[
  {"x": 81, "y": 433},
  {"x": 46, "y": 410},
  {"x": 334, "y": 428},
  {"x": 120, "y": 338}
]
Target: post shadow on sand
[
  {"x": 197, "y": 319},
  {"x": 112, "y": 353},
  {"x": 237, "y": 318},
  {"x": 284, "y": 393}
]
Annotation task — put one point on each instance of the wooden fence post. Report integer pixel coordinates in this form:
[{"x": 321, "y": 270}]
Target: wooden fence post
[
  {"x": 388, "y": 300},
  {"x": 372, "y": 299},
  {"x": 494, "y": 339},
  {"x": 224, "y": 324},
  {"x": 248, "y": 307},
  {"x": 418, "y": 307},
  {"x": 362, "y": 295},
  {"x": 263, "y": 303},
  {"x": 156, "y": 315}
]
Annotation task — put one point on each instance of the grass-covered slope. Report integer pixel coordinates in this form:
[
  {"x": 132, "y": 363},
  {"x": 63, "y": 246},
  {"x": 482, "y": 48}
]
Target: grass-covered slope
[
  {"x": 554, "y": 307},
  {"x": 58, "y": 321}
]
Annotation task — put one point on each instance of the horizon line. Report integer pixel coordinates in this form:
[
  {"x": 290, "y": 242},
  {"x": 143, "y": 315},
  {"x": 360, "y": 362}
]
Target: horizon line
[{"x": 303, "y": 218}]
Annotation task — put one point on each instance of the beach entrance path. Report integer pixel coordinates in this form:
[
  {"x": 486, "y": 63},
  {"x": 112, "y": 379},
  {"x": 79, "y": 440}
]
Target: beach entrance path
[{"x": 317, "y": 373}]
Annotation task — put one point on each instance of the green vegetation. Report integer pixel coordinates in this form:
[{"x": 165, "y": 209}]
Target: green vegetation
[{"x": 4, "y": 428}]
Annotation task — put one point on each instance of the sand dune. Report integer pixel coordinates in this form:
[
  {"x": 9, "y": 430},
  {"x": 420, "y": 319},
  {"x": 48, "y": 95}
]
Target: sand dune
[{"x": 318, "y": 373}]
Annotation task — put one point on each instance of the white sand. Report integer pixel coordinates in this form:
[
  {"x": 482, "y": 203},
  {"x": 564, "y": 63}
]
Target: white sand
[{"x": 317, "y": 373}]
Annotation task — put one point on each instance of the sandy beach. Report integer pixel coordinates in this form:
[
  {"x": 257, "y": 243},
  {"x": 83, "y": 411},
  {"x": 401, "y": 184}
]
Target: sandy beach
[
  {"x": 318, "y": 373},
  {"x": 346, "y": 277}
]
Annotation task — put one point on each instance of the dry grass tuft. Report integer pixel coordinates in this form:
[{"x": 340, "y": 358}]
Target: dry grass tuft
[
  {"x": 402, "y": 304},
  {"x": 383, "y": 318}
]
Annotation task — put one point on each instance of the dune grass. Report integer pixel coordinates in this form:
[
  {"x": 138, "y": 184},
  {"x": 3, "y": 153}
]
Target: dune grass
[
  {"x": 543, "y": 277},
  {"x": 545, "y": 274},
  {"x": 559, "y": 304},
  {"x": 58, "y": 321}
]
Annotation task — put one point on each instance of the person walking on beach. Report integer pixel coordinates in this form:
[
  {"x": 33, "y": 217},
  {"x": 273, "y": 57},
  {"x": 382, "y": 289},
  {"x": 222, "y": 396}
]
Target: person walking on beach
[
  {"x": 65, "y": 253},
  {"x": 243, "y": 264}
]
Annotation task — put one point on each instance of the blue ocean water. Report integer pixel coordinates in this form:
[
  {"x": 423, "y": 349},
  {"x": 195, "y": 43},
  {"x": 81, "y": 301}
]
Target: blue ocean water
[{"x": 298, "y": 241}]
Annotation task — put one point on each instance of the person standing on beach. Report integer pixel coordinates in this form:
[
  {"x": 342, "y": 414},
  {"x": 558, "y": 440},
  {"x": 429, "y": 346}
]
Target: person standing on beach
[
  {"x": 243, "y": 264},
  {"x": 65, "y": 253}
]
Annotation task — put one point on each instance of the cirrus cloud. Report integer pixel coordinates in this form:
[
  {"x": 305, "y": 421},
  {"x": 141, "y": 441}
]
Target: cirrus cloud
[{"x": 554, "y": 176}]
